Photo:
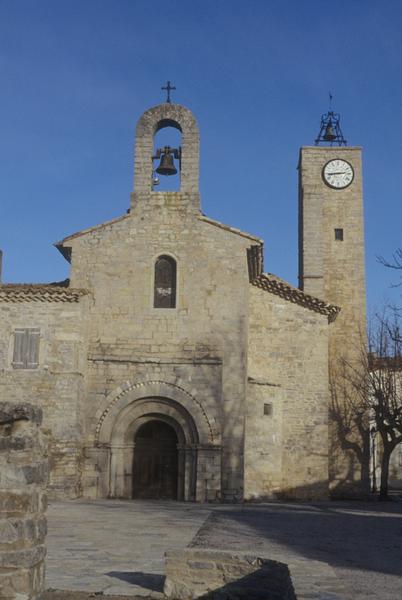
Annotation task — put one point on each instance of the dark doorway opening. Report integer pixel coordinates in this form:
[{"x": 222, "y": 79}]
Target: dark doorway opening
[{"x": 155, "y": 467}]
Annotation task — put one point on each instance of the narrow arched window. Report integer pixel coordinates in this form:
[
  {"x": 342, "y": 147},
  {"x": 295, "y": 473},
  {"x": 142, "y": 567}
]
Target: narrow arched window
[{"x": 165, "y": 283}]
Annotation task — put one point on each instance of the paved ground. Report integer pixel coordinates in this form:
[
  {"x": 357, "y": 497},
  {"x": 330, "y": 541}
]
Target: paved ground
[
  {"x": 337, "y": 550},
  {"x": 360, "y": 542},
  {"x": 116, "y": 546}
]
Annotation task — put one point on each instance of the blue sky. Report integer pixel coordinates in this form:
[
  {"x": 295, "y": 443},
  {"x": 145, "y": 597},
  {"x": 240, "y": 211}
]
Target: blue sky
[{"x": 76, "y": 76}]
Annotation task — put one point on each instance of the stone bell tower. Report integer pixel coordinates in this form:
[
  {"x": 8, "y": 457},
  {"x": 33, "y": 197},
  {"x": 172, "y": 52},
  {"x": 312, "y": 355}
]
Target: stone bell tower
[
  {"x": 145, "y": 194},
  {"x": 331, "y": 266}
]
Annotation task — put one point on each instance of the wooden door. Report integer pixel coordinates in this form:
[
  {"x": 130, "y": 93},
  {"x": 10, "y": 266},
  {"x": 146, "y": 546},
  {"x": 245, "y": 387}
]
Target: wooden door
[{"x": 155, "y": 468}]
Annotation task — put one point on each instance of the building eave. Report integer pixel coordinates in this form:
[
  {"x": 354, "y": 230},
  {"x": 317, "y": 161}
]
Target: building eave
[
  {"x": 40, "y": 292},
  {"x": 275, "y": 285}
]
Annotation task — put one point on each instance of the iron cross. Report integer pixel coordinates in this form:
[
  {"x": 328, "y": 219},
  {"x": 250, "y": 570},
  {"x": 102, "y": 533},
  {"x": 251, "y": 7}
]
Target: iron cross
[{"x": 168, "y": 89}]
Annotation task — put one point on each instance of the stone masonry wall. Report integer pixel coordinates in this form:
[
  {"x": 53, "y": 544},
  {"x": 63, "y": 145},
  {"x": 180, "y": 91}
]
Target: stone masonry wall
[
  {"x": 286, "y": 450},
  {"x": 334, "y": 270},
  {"x": 130, "y": 340},
  {"x": 23, "y": 479},
  {"x": 56, "y": 385}
]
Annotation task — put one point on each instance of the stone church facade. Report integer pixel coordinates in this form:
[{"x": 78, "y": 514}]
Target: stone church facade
[{"x": 170, "y": 364}]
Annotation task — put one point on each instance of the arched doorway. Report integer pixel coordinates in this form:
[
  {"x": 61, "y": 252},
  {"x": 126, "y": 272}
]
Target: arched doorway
[
  {"x": 156, "y": 461},
  {"x": 111, "y": 460}
]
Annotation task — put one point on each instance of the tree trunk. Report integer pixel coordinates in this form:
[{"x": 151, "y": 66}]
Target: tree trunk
[{"x": 384, "y": 473}]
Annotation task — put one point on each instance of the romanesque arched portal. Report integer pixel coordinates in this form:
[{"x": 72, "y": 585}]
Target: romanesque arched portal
[{"x": 119, "y": 442}]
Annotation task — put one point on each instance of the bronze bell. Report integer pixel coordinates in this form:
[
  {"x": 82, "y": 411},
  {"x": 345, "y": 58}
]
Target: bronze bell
[
  {"x": 166, "y": 165},
  {"x": 329, "y": 135}
]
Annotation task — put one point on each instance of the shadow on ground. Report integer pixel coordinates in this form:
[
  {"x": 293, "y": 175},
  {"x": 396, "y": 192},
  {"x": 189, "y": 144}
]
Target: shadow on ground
[
  {"x": 70, "y": 595},
  {"x": 149, "y": 581},
  {"x": 260, "y": 585},
  {"x": 355, "y": 535}
]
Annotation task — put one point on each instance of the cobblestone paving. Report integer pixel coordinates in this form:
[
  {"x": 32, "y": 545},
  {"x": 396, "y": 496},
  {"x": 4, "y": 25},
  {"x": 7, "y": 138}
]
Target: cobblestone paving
[{"x": 336, "y": 551}]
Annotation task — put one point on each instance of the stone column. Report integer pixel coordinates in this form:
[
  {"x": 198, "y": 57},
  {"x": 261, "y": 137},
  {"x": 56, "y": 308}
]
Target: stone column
[
  {"x": 208, "y": 474},
  {"x": 23, "y": 479},
  {"x": 121, "y": 471}
]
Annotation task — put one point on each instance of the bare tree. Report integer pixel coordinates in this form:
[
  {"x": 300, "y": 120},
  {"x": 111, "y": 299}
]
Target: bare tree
[
  {"x": 371, "y": 391},
  {"x": 396, "y": 264},
  {"x": 384, "y": 374}
]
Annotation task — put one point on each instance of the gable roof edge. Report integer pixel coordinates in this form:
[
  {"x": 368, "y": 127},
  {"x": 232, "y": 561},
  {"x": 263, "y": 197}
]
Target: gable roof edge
[
  {"x": 230, "y": 229},
  {"x": 273, "y": 284},
  {"x": 89, "y": 229}
]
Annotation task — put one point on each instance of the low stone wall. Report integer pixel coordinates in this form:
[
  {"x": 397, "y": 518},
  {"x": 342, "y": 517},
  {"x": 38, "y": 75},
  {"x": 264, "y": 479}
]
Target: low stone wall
[
  {"x": 210, "y": 574},
  {"x": 23, "y": 478}
]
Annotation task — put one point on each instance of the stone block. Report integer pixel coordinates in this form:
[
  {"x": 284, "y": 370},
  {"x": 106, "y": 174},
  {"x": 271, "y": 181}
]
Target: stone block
[
  {"x": 36, "y": 473},
  {"x": 11, "y": 413},
  {"x": 216, "y": 575},
  {"x": 23, "y": 478},
  {"x": 15, "y": 502},
  {"x": 25, "y": 558}
]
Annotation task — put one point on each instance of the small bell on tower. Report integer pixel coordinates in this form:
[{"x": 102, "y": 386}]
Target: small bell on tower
[
  {"x": 166, "y": 165},
  {"x": 167, "y": 155},
  {"x": 329, "y": 135},
  {"x": 330, "y": 129}
]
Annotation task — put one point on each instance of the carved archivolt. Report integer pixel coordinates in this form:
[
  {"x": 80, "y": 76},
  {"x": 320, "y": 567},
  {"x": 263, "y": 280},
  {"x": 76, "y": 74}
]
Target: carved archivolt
[{"x": 130, "y": 392}]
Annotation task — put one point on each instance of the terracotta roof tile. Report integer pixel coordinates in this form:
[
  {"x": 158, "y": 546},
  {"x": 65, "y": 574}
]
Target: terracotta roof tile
[
  {"x": 273, "y": 284},
  {"x": 40, "y": 292}
]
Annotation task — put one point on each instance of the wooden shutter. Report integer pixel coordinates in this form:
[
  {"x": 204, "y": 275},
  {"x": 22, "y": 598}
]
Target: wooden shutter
[
  {"x": 32, "y": 355},
  {"x": 26, "y": 348},
  {"x": 18, "y": 355}
]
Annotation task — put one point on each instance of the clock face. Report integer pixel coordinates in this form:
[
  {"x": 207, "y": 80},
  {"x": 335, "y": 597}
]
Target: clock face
[{"x": 338, "y": 173}]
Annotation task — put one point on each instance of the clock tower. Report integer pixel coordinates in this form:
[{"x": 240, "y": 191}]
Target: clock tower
[{"x": 331, "y": 267}]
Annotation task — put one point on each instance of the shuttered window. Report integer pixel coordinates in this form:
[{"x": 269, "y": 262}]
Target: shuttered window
[
  {"x": 165, "y": 283},
  {"x": 26, "y": 348}
]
